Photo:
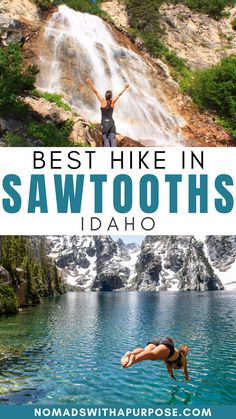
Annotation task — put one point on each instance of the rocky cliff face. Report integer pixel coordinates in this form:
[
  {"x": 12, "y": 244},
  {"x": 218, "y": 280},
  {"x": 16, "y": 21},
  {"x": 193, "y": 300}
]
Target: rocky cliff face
[
  {"x": 201, "y": 40},
  {"x": 94, "y": 262},
  {"x": 17, "y": 18},
  {"x": 162, "y": 263},
  {"x": 117, "y": 10},
  {"x": 221, "y": 251},
  {"x": 174, "y": 263}
]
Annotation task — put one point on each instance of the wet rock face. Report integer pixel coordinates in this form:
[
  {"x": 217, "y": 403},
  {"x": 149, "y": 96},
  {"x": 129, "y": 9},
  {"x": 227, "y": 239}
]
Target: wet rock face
[
  {"x": 201, "y": 40},
  {"x": 174, "y": 262}
]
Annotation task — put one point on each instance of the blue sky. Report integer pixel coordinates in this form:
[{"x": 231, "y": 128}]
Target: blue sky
[{"x": 129, "y": 239}]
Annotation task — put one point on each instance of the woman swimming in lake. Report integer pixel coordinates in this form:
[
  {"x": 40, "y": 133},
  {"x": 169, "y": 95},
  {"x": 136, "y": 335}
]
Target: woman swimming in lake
[
  {"x": 161, "y": 350},
  {"x": 107, "y": 107}
]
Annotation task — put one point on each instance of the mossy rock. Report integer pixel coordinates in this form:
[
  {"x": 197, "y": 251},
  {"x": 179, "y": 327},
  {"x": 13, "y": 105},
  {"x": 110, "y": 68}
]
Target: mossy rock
[{"x": 8, "y": 301}]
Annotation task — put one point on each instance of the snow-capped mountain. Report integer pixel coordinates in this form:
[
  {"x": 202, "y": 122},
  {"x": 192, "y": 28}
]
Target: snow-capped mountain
[
  {"x": 175, "y": 263},
  {"x": 94, "y": 262},
  {"x": 169, "y": 263}
]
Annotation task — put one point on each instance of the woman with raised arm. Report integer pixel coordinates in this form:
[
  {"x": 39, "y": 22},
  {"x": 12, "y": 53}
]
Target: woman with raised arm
[
  {"x": 107, "y": 107},
  {"x": 160, "y": 350}
]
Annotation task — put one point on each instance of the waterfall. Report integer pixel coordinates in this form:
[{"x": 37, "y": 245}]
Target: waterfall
[{"x": 80, "y": 46}]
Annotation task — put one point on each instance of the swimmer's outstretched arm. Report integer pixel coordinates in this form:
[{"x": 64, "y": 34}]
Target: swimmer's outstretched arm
[
  {"x": 95, "y": 90},
  {"x": 170, "y": 371},
  {"x": 114, "y": 100}
]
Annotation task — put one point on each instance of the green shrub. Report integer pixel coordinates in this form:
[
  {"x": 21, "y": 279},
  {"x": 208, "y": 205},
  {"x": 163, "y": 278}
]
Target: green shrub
[
  {"x": 44, "y": 4},
  {"x": 145, "y": 22},
  {"x": 175, "y": 61},
  {"x": 214, "y": 8},
  {"x": 158, "y": 49},
  {"x": 145, "y": 15},
  {"x": 54, "y": 98},
  {"x": 14, "y": 79},
  {"x": 228, "y": 124},
  {"x": 8, "y": 301},
  {"x": 187, "y": 77},
  {"x": 154, "y": 45},
  {"x": 234, "y": 24},
  {"x": 80, "y": 144},
  {"x": 14, "y": 140},
  {"x": 91, "y": 127},
  {"x": 215, "y": 89},
  {"x": 85, "y": 6},
  {"x": 51, "y": 135}
]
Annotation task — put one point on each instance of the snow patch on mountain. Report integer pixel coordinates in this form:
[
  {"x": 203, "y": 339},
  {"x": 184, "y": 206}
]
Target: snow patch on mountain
[
  {"x": 76, "y": 259},
  {"x": 161, "y": 263},
  {"x": 94, "y": 262}
]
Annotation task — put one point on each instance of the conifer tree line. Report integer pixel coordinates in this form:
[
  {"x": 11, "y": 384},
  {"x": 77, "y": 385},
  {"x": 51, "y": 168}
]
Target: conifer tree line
[{"x": 32, "y": 272}]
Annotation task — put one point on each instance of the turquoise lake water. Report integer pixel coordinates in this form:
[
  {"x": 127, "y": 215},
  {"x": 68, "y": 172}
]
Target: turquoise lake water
[{"x": 67, "y": 349}]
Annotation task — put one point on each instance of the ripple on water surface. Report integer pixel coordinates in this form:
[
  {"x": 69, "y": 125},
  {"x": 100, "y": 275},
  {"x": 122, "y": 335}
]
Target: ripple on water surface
[{"x": 67, "y": 350}]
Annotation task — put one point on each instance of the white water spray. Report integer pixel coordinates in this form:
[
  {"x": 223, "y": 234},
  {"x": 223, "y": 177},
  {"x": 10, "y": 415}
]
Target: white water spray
[{"x": 80, "y": 46}]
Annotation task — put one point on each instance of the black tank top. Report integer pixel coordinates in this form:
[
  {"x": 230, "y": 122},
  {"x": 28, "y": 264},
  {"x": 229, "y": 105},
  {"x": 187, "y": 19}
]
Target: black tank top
[
  {"x": 108, "y": 124},
  {"x": 107, "y": 113}
]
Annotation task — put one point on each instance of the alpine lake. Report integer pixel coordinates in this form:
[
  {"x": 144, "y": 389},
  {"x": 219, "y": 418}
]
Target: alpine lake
[{"x": 67, "y": 350}]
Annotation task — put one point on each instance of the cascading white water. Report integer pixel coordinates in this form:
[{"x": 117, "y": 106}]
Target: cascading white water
[{"x": 80, "y": 46}]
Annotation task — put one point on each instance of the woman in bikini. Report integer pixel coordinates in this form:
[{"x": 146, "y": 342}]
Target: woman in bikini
[
  {"x": 107, "y": 108},
  {"x": 161, "y": 350}
]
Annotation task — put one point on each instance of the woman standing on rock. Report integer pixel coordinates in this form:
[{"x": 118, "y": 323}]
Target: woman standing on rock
[
  {"x": 160, "y": 350},
  {"x": 107, "y": 108}
]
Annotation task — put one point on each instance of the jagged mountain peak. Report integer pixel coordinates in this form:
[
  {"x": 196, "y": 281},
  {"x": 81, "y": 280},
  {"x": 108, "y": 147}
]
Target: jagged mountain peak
[
  {"x": 169, "y": 263},
  {"x": 89, "y": 262}
]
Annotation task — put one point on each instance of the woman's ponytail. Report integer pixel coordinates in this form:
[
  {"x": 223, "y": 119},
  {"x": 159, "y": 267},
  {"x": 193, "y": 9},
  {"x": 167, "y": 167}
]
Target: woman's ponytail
[{"x": 108, "y": 96}]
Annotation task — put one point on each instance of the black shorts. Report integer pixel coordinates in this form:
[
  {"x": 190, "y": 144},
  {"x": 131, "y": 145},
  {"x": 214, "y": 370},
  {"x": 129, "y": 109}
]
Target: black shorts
[
  {"x": 165, "y": 342},
  {"x": 154, "y": 342}
]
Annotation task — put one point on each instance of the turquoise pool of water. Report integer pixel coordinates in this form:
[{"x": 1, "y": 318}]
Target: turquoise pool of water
[{"x": 67, "y": 349}]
